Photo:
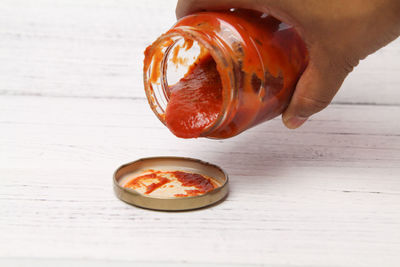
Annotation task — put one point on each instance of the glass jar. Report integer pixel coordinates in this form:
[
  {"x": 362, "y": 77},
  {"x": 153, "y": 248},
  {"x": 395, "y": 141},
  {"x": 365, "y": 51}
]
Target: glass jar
[{"x": 259, "y": 60}]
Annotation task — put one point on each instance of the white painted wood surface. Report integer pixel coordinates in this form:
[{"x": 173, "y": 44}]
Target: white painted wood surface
[
  {"x": 94, "y": 48},
  {"x": 72, "y": 110}
]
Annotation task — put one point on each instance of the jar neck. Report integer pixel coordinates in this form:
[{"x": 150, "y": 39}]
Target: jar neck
[{"x": 161, "y": 59}]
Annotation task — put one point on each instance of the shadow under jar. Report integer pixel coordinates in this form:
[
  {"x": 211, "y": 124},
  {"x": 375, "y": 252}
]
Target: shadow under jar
[{"x": 216, "y": 74}]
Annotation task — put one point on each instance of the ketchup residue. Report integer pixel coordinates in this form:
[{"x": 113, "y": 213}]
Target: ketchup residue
[
  {"x": 196, "y": 100},
  {"x": 150, "y": 188},
  {"x": 200, "y": 183},
  {"x": 161, "y": 181}
]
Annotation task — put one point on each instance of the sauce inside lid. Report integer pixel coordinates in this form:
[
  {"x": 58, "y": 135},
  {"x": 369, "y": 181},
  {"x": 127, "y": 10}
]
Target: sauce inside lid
[{"x": 169, "y": 183}]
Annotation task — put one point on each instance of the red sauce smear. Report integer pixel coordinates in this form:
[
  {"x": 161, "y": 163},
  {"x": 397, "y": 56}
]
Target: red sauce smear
[
  {"x": 201, "y": 183},
  {"x": 161, "y": 181},
  {"x": 196, "y": 100},
  {"x": 150, "y": 188}
]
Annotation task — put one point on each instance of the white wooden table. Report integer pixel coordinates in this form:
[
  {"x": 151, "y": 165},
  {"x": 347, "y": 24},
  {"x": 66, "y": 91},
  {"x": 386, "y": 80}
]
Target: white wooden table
[{"x": 72, "y": 109}]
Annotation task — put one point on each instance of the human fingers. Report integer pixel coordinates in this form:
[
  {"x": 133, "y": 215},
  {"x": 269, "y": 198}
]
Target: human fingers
[
  {"x": 186, "y": 7},
  {"x": 278, "y": 9},
  {"x": 315, "y": 90}
]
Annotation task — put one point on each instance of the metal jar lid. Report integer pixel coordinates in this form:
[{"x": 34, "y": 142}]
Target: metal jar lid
[{"x": 131, "y": 171}]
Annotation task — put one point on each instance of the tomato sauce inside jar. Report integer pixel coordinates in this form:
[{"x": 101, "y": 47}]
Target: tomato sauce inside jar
[{"x": 196, "y": 100}]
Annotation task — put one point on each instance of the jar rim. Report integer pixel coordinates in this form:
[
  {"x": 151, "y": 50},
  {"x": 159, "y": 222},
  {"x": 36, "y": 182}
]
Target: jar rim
[{"x": 219, "y": 53}]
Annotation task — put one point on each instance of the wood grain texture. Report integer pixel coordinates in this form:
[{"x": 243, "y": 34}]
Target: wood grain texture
[
  {"x": 326, "y": 195},
  {"x": 72, "y": 110},
  {"x": 93, "y": 48}
]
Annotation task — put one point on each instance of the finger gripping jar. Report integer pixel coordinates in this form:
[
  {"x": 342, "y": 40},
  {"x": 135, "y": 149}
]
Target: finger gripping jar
[{"x": 258, "y": 58}]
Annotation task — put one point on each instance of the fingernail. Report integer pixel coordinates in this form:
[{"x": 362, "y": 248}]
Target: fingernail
[{"x": 295, "y": 122}]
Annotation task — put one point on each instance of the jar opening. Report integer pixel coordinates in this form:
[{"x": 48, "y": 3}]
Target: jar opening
[
  {"x": 173, "y": 56},
  {"x": 178, "y": 59}
]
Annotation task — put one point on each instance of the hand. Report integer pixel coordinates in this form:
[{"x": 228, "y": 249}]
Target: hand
[{"x": 337, "y": 33}]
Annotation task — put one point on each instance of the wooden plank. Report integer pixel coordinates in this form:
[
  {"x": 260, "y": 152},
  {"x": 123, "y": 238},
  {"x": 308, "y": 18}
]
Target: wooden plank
[
  {"x": 88, "y": 48},
  {"x": 105, "y": 263},
  {"x": 325, "y": 195},
  {"x": 132, "y": 123},
  {"x": 95, "y": 48}
]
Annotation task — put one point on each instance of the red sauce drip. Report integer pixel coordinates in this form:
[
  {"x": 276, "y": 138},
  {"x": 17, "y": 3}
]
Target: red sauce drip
[
  {"x": 161, "y": 181},
  {"x": 136, "y": 182},
  {"x": 150, "y": 188},
  {"x": 196, "y": 100},
  {"x": 201, "y": 183}
]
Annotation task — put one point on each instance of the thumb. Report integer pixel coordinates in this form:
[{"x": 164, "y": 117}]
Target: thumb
[{"x": 314, "y": 91}]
